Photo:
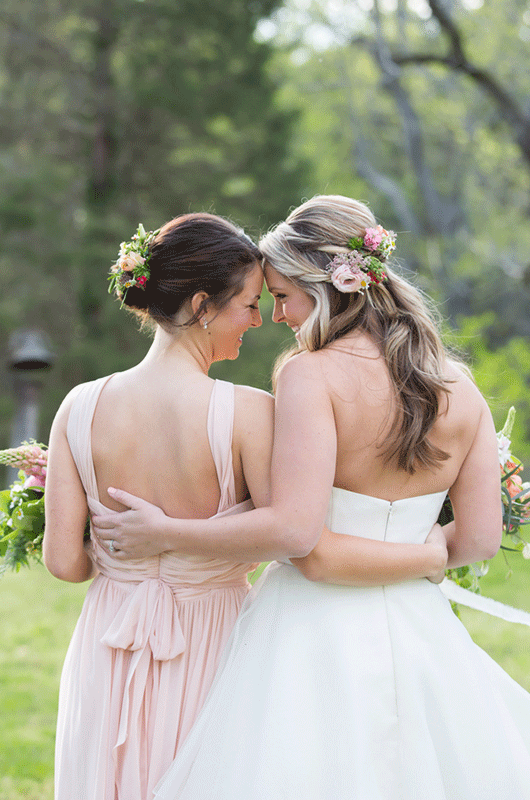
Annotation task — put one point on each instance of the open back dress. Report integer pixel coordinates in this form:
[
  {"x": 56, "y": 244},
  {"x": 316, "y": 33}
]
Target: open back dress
[{"x": 148, "y": 641}]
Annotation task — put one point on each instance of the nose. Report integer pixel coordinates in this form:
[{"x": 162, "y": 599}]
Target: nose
[
  {"x": 277, "y": 311},
  {"x": 256, "y": 318}
]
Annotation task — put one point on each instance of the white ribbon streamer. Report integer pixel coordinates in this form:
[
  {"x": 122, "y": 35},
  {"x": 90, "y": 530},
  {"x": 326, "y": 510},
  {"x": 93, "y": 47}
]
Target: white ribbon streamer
[{"x": 464, "y": 597}]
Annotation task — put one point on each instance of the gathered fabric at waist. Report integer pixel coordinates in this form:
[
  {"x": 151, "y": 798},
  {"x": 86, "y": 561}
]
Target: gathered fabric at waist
[
  {"x": 175, "y": 569},
  {"x": 180, "y": 588},
  {"x": 147, "y": 611}
]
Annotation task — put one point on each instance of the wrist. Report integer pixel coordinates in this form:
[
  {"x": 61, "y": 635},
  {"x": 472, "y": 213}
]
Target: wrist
[
  {"x": 438, "y": 560},
  {"x": 167, "y": 534}
]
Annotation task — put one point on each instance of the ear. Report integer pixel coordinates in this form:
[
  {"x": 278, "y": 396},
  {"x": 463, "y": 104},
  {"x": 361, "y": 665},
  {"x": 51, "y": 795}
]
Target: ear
[{"x": 197, "y": 300}]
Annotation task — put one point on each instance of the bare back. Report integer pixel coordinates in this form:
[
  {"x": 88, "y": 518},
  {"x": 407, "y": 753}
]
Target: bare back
[
  {"x": 365, "y": 411},
  {"x": 149, "y": 437}
]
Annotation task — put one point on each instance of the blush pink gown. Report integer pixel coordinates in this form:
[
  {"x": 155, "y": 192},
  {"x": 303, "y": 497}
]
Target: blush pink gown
[{"x": 147, "y": 644}]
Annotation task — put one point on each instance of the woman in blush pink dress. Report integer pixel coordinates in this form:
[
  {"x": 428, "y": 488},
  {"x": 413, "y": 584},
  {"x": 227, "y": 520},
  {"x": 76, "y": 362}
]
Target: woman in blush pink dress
[{"x": 151, "y": 631}]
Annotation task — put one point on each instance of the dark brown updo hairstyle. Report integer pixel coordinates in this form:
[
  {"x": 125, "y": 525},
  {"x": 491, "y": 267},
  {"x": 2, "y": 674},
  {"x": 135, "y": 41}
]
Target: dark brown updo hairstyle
[{"x": 192, "y": 253}]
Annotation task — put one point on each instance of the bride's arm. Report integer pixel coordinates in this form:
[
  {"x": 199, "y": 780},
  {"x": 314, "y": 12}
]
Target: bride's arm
[
  {"x": 476, "y": 532},
  {"x": 303, "y": 466}
]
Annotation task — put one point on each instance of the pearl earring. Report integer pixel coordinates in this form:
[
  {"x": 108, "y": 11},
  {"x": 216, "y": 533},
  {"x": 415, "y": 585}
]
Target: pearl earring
[{"x": 204, "y": 324}]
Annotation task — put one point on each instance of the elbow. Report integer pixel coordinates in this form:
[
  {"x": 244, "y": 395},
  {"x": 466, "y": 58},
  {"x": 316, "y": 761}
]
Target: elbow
[
  {"x": 302, "y": 543},
  {"x": 293, "y": 536},
  {"x": 310, "y": 568},
  {"x": 475, "y": 540},
  {"x": 490, "y": 551},
  {"x": 491, "y": 543},
  {"x": 56, "y": 569},
  {"x": 69, "y": 574},
  {"x": 293, "y": 539},
  {"x": 69, "y": 570},
  {"x": 59, "y": 569}
]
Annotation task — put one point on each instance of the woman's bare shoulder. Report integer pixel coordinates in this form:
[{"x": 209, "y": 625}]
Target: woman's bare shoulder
[
  {"x": 306, "y": 364},
  {"x": 63, "y": 412},
  {"x": 250, "y": 395},
  {"x": 254, "y": 408},
  {"x": 460, "y": 379},
  {"x": 464, "y": 397}
]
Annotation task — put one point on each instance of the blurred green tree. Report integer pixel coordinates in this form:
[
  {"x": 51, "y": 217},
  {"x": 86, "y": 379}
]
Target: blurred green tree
[
  {"x": 112, "y": 112},
  {"x": 421, "y": 109}
]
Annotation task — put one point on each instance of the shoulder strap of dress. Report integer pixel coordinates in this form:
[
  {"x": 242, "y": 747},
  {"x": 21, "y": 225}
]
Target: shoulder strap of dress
[
  {"x": 220, "y": 432},
  {"x": 78, "y": 432}
]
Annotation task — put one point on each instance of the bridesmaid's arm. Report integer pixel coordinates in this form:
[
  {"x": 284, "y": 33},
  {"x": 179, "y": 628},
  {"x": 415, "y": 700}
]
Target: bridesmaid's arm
[
  {"x": 356, "y": 561},
  {"x": 66, "y": 509},
  {"x": 252, "y": 440}
]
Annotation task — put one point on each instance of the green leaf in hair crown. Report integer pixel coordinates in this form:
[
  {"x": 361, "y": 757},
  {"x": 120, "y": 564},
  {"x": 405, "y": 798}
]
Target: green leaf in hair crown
[{"x": 132, "y": 265}]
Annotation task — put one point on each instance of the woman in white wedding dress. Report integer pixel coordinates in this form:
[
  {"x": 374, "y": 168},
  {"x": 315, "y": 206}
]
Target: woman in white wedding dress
[{"x": 333, "y": 685}]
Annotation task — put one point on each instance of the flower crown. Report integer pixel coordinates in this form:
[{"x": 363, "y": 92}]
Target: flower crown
[
  {"x": 355, "y": 271},
  {"x": 132, "y": 266}
]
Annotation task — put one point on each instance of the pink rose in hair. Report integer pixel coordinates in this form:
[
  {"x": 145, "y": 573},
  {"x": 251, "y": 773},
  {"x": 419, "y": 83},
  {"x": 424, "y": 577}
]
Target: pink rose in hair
[
  {"x": 348, "y": 278},
  {"x": 129, "y": 261}
]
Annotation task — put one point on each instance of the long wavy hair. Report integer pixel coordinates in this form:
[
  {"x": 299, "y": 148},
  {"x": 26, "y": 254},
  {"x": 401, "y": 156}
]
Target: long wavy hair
[{"x": 396, "y": 315}]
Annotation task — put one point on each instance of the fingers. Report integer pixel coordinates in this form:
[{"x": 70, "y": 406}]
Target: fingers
[
  {"x": 105, "y": 524},
  {"x": 126, "y": 499},
  {"x": 108, "y": 539}
]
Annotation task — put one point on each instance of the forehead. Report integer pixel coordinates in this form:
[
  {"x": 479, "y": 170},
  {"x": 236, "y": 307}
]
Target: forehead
[
  {"x": 275, "y": 280},
  {"x": 253, "y": 281}
]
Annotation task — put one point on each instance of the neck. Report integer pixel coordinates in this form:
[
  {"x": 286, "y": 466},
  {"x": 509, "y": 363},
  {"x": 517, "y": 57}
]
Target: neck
[{"x": 188, "y": 349}]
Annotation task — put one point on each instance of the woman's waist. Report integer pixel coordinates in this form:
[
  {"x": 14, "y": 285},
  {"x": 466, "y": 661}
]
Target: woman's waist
[
  {"x": 179, "y": 587},
  {"x": 181, "y": 579},
  {"x": 172, "y": 568}
]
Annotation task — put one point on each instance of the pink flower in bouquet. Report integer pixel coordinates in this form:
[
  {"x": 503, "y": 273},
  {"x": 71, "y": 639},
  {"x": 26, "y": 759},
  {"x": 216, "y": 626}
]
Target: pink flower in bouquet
[
  {"x": 514, "y": 484},
  {"x": 30, "y": 458},
  {"x": 35, "y": 482}
]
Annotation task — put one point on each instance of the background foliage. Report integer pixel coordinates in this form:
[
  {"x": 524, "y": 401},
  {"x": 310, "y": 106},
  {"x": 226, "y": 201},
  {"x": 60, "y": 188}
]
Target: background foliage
[{"x": 112, "y": 112}]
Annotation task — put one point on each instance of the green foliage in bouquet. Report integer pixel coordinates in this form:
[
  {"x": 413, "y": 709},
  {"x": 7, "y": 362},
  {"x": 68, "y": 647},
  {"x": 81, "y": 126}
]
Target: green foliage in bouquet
[
  {"x": 22, "y": 506},
  {"x": 21, "y": 525}
]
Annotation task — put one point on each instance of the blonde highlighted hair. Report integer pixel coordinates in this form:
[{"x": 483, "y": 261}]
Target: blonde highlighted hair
[{"x": 394, "y": 314}]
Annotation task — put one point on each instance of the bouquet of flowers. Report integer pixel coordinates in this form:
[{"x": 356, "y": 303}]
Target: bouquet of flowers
[
  {"x": 515, "y": 508},
  {"x": 22, "y": 506}
]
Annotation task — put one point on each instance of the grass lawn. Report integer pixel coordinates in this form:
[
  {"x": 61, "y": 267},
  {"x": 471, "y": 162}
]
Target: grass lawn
[
  {"x": 37, "y": 620},
  {"x": 38, "y": 616}
]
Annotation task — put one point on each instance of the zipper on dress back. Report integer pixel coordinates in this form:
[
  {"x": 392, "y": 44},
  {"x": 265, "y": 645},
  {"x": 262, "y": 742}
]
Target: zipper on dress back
[{"x": 389, "y": 514}]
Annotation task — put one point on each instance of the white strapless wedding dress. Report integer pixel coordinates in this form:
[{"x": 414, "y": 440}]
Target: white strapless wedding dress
[{"x": 337, "y": 693}]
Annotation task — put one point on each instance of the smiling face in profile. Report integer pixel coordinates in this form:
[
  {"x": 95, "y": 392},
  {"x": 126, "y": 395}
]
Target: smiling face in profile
[
  {"x": 291, "y": 304},
  {"x": 241, "y": 313}
]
